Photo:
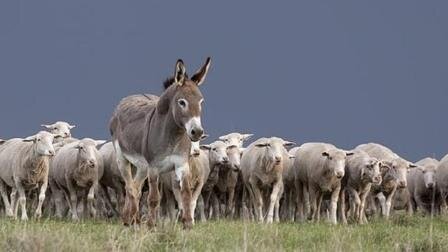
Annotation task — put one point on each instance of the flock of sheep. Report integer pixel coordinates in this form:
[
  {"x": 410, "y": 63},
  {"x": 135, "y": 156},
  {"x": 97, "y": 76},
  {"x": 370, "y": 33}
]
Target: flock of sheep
[{"x": 156, "y": 154}]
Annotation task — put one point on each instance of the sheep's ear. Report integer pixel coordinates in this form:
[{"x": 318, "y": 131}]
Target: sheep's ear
[
  {"x": 58, "y": 146},
  {"x": 247, "y": 136},
  {"x": 384, "y": 165},
  {"x": 288, "y": 144},
  {"x": 47, "y": 126},
  {"x": 205, "y": 147},
  {"x": 260, "y": 145},
  {"x": 71, "y": 126},
  {"x": 231, "y": 147},
  {"x": 58, "y": 136},
  {"x": 30, "y": 139},
  {"x": 325, "y": 154},
  {"x": 100, "y": 142},
  {"x": 223, "y": 138},
  {"x": 412, "y": 166}
]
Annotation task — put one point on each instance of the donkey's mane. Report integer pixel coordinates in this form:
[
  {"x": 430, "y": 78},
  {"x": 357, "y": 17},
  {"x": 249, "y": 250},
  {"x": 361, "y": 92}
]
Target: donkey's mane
[{"x": 169, "y": 81}]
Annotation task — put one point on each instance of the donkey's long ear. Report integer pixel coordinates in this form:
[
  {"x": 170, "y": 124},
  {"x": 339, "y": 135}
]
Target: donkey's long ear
[
  {"x": 199, "y": 76},
  {"x": 179, "y": 73}
]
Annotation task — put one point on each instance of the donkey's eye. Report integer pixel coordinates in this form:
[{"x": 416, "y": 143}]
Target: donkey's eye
[{"x": 182, "y": 103}]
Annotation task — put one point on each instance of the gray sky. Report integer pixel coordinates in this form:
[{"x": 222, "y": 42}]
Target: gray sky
[{"x": 345, "y": 72}]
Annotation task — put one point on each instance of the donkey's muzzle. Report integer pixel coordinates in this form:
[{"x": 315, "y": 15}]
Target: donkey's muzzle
[{"x": 196, "y": 134}]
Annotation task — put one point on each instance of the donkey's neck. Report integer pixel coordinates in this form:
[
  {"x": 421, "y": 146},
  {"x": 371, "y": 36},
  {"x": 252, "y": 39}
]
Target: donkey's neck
[{"x": 164, "y": 136}]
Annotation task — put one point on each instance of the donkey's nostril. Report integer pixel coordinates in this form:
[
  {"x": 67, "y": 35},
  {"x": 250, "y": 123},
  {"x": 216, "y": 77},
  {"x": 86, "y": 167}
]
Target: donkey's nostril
[{"x": 197, "y": 133}]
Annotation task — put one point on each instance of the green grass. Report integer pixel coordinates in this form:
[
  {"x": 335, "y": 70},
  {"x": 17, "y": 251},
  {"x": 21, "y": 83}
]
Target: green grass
[{"x": 402, "y": 233}]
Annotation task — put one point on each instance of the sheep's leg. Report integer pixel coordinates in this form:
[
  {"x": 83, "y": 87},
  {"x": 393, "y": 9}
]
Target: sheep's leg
[
  {"x": 8, "y": 207},
  {"x": 277, "y": 206},
  {"x": 201, "y": 208},
  {"x": 257, "y": 201},
  {"x": 58, "y": 201},
  {"x": 315, "y": 197},
  {"x": 389, "y": 199},
  {"x": 362, "y": 211},
  {"x": 91, "y": 199},
  {"x": 171, "y": 206},
  {"x": 214, "y": 201},
  {"x": 42, "y": 192},
  {"x": 108, "y": 201},
  {"x": 121, "y": 195},
  {"x": 382, "y": 199},
  {"x": 299, "y": 214},
  {"x": 230, "y": 202},
  {"x": 342, "y": 206},
  {"x": 22, "y": 200},
  {"x": 14, "y": 202},
  {"x": 73, "y": 200},
  {"x": 306, "y": 200},
  {"x": 273, "y": 200},
  {"x": 334, "y": 204},
  {"x": 245, "y": 201},
  {"x": 206, "y": 195},
  {"x": 194, "y": 198},
  {"x": 443, "y": 205}
]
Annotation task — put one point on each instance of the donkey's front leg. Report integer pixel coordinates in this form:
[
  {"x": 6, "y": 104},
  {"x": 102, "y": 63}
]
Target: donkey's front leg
[
  {"x": 181, "y": 171},
  {"x": 153, "y": 197}
]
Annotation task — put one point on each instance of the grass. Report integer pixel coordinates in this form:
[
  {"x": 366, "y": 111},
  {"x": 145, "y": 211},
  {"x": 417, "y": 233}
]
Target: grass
[{"x": 401, "y": 233}]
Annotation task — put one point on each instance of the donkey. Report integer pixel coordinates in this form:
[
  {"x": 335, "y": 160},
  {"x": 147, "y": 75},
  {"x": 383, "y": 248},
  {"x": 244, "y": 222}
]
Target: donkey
[{"x": 154, "y": 135}]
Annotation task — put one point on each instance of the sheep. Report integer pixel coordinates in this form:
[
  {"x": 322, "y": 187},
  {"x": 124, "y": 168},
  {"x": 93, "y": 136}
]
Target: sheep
[
  {"x": 262, "y": 168},
  {"x": 25, "y": 165},
  {"x": 76, "y": 167}
]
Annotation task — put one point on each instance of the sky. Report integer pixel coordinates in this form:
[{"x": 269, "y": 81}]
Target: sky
[{"x": 343, "y": 72}]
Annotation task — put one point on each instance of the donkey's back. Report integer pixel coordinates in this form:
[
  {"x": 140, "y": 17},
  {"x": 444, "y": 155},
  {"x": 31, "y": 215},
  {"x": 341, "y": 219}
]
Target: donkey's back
[{"x": 128, "y": 120}]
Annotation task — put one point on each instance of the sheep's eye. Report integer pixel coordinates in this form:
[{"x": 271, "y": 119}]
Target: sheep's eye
[
  {"x": 38, "y": 140},
  {"x": 214, "y": 149}
]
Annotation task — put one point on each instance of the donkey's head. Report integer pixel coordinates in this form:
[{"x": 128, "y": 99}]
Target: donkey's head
[{"x": 186, "y": 99}]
